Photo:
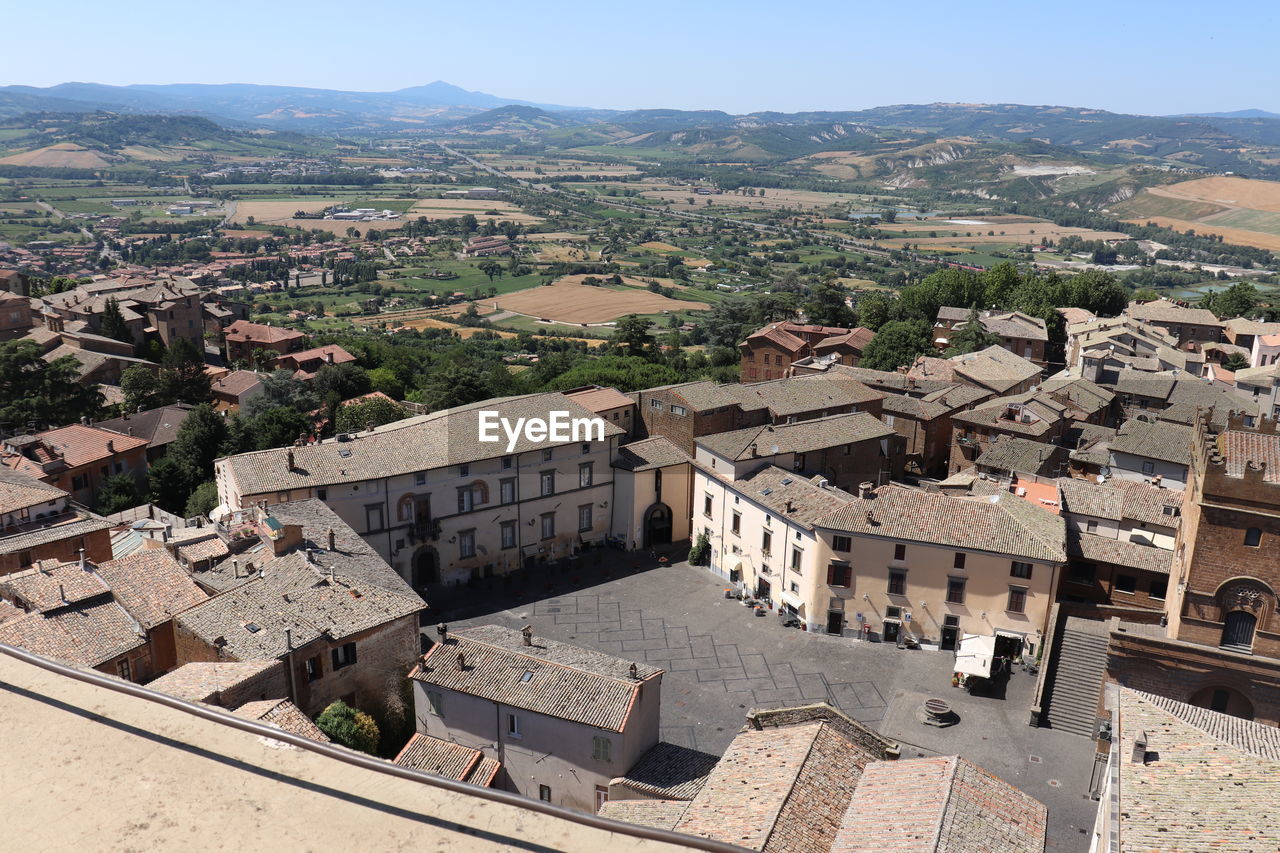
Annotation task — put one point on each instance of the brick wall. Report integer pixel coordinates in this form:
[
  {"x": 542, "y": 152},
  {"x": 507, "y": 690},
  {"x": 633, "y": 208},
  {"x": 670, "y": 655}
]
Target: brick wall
[
  {"x": 97, "y": 548},
  {"x": 765, "y": 361},
  {"x": 384, "y": 656}
]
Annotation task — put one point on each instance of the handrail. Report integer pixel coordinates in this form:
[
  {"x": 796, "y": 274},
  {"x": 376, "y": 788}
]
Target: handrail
[{"x": 367, "y": 762}]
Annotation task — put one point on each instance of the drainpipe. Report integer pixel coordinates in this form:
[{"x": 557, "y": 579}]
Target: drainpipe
[{"x": 288, "y": 662}]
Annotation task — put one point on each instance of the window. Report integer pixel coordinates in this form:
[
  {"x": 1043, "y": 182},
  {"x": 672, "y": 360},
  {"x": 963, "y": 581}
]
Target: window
[
  {"x": 706, "y": 505},
  {"x": 839, "y": 574},
  {"x": 766, "y": 542},
  {"x": 507, "y": 462},
  {"x": 1253, "y": 537},
  {"x": 893, "y": 613},
  {"x": 1158, "y": 588},
  {"x": 586, "y": 445},
  {"x": 958, "y": 563},
  {"x": 513, "y": 725},
  {"x": 1126, "y": 583},
  {"x": 1090, "y": 526},
  {"x": 796, "y": 556},
  {"x": 897, "y": 583},
  {"x": 735, "y": 526},
  {"x": 798, "y": 462},
  {"x": 585, "y": 474},
  {"x": 466, "y": 499},
  {"x": 955, "y": 590},
  {"x": 678, "y": 410},
  {"x": 843, "y": 544},
  {"x": 1148, "y": 467},
  {"x": 420, "y": 478},
  {"x": 544, "y": 793},
  {"x": 508, "y": 534},
  {"x": 322, "y": 494},
  {"x": 1082, "y": 573},
  {"x": 281, "y": 497},
  {"x": 122, "y": 669},
  {"x": 655, "y": 404},
  {"x": 79, "y": 481},
  {"x": 899, "y": 552},
  {"x": 602, "y": 749},
  {"x": 548, "y": 480},
  {"x": 1023, "y": 571},
  {"x": 1017, "y": 599},
  {"x": 466, "y": 544},
  {"x": 507, "y": 490},
  {"x": 548, "y": 525},
  {"x": 1171, "y": 510},
  {"x": 602, "y": 796},
  {"x": 795, "y": 587},
  {"x": 584, "y": 518},
  {"x": 464, "y": 470},
  {"x": 435, "y": 702},
  {"x": 373, "y": 517},
  {"x": 344, "y": 655},
  {"x": 314, "y": 670},
  {"x": 546, "y": 454}
]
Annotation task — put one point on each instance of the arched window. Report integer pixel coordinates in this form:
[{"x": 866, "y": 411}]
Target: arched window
[
  {"x": 1237, "y": 630},
  {"x": 480, "y": 492},
  {"x": 404, "y": 508},
  {"x": 1253, "y": 537}
]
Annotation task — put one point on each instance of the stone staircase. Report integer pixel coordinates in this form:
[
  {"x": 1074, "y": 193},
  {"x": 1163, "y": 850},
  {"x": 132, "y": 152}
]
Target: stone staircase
[{"x": 1075, "y": 677}]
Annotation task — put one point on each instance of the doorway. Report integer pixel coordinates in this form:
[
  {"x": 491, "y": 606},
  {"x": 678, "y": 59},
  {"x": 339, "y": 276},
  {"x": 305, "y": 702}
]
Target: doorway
[
  {"x": 1009, "y": 646},
  {"x": 950, "y": 633},
  {"x": 657, "y": 525},
  {"x": 762, "y": 588},
  {"x": 426, "y": 568},
  {"x": 1237, "y": 631},
  {"x": 835, "y": 622},
  {"x": 892, "y": 631}
]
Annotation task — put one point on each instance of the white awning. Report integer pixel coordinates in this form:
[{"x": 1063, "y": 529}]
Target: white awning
[
  {"x": 1013, "y": 635},
  {"x": 792, "y": 600},
  {"x": 975, "y": 654}
]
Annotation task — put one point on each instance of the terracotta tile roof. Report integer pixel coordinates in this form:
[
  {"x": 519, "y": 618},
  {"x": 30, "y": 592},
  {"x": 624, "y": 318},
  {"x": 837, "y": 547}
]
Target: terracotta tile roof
[
  {"x": 448, "y": 759},
  {"x": 1159, "y": 440},
  {"x": 204, "y": 681},
  {"x": 1022, "y": 456},
  {"x": 650, "y": 453},
  {"x": 158, "y": 426},
  {"x": 994, "y": 367},
  {"x": 779, "y": 336},
  {"x": 296, "y": 359},
  {"x": 600, "y": 399},
  {"x": 1118, "y": 552},
  {"x": 284, "y": 715},
  {"x": 1045, "y": 412},
  {"x": 447, "y": 437},
  {"x": 660, "y": 814},
  {"x": 781, "y": 397},
  {"x": 1240, "y": 449},
  {"x": 1207, "y": 782},
  {"x": 939, "y": 805},
  {"x": 84, "y": 445},
  {"x": 1009, "y": 324},
  {"x": 88, "y": 633},
  {"x": 999, "y": 524},
  {"x": 236, "y": 383},
  {"x": 52, "y": 585},
  {"x": 19, "y": 491},
  {"x": 245, "y": 331},
  {"x": 1118, "y": 499},
  {"x": 208, "y": 548},
  {"x": 1164, "y": 311},
  {"x": 669, "y": 772},
  {"x": 151, "y": 586},
  {"x": 799, "y": 437},
  {"x": 791, "y": 496},
  {"x": 72, "y": 529},
  {"x": 567, "y": 682},
  {"x": 856, "y": 339}
]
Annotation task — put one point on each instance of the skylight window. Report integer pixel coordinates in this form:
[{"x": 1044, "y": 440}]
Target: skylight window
[
  {"x": 252, "y": 627},
  {"x": 344, "y": 452},
  {"x": 524, "y": 679}
]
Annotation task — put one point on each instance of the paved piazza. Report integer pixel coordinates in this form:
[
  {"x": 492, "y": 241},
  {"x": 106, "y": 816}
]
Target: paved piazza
[{"x": 721, "y": 661}]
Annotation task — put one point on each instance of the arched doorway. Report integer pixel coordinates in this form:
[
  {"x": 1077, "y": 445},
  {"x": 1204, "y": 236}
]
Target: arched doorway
[
  {"x": 426, "y": 568},
  {"x": 657, "y": 525},
  {"x": 1224, "y": 700},
  {"x": 1237, "y": 630}
]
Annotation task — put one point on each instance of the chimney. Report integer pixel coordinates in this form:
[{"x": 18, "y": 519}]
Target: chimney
[
  {"x": 310, "y": 556},
  {"x": 82, "y": 561},
  {"x": 130, "y": 432},
  {"x": 442, "y": 630},
  {"x": 288, "y": 639},
  {"x": 462, "y": 662},
  {"x": 289, "y": 459},
  {"x": 754, "y": 451},
  {"x": 865, "y": 489},
  {"x": 634, "y": 671},
  {"x": 527, "y": 633},
  {"x": 235, "y": 568},
  {"x": 328, "y": 356},
  {"x": 790, "y": 507},
  {"x": 62, "y": 593},
  {"x": 84, "y": 421},
  {"x": 1139, "y": 749},
  {"x": 332, "y": 540},
  {"x": 368, "y": 426}
]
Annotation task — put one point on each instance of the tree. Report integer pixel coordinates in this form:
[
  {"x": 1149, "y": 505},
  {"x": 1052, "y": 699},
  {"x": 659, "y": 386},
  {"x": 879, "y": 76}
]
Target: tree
[
  {"x": 279, "y": 388},
  {"x": 141, "y": 388},
  {"x": 198, "y": 441},
  {"x": 34, "y": 392},
  {"x": 356, "y": 416},
  {"x": 384, "y": 379},
  {"x": 624, "y": 372},
  {"x": 279, "y": 427},
  {"x": 1236, "y": 301},
  {"x": 897, "y": 343},
  {"x": 456, "y": 385},
  {"x": 491, "y": 269},
  {"x": 632, "y": 332},
  {"x": 1236, "y": 361},
  {"x": 116, "y": 494},
  {"x": 182, "y": 375},
  {"x": 343, "y": 381},
  {"x": 349, "y": 727},
  {"x": 203, "y": 500},
  {"x": 827, "y": 307},
  {"x": 874, "y": 310},
  {"x": 170, "y": 484},
  {"x": 971, "y": 336},
  {"x": 112, "y": 324}
]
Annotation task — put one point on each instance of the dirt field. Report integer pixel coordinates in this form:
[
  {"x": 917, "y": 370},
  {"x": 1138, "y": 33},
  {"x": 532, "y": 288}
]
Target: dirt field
[
  {"x": 532, "y": 167},
  {"x": 1240, "y": 210},
  {"x": 569, "y": 301},
  {"x": 1008, "y": 229},
  {"x": 553, "y": 253},
  {"x": 469, "y": 331},
  {"x": 281, "y": 213},
  {"x": 64, "y": 155},
  {"x": 451, "y": 208}
]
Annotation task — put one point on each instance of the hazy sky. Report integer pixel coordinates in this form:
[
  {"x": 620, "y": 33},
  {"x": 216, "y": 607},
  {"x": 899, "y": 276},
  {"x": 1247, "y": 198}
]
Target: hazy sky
[{"x": 787, "y": 55}]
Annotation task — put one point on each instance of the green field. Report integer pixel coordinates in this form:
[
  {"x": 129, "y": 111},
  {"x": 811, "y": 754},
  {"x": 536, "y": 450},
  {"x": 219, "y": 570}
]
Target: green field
[
  {"x": 1263, "y": 221},
  {"x": 1147, "y": 204}
]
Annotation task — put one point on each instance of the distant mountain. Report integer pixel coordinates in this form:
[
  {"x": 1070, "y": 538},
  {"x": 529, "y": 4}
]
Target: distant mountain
[
  {"x": 1236, "y": 114},
  {"x": 514, "y": 120},
  {"x": 290, "y": 106}
]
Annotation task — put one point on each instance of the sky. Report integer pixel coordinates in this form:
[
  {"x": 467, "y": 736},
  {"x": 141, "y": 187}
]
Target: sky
[{"x": 786, "y": 55}]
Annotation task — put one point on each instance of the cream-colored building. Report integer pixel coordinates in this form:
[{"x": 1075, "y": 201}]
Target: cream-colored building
[
  {"x": 652, "y": 481},
  {"x": 440, "y": 505},
  {"x": 888, "y": 564}
]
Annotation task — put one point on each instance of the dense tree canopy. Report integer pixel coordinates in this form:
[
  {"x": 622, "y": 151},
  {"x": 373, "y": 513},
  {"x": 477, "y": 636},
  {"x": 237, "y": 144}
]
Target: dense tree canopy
[{"x": 42, "y": 394}]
